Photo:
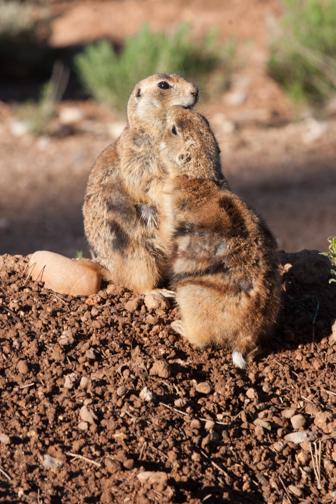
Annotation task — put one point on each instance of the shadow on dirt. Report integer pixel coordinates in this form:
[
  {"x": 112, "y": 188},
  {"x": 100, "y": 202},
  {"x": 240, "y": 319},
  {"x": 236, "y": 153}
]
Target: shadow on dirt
[
  {"x": 216, "y": 494},
  {"x": 59, "y": 229},
  {"x": 296, "y": 198},
  {"x": 26, "y": 67},
  {"x": 309, "y": 308},
  {"x": 297, "y": 202}
]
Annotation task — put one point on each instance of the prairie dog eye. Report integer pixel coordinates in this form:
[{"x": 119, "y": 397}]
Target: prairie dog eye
[
  {"x": 164, "y": 85},
  {"x": 138, "y": 93},
  {"x": 174, "y": 131}
]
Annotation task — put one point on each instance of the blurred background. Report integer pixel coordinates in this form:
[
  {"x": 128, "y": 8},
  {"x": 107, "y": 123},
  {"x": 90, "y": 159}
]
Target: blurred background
[{"x": 267, "y": 74}]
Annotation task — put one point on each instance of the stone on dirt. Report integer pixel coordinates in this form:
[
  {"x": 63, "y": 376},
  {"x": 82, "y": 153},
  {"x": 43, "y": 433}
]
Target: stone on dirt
[
  {"x": 298, "y": 421},
  {"x": 152, "y": 477},
  {"x": 64, "y": 275},
  {"x": 87, "y": 415}
]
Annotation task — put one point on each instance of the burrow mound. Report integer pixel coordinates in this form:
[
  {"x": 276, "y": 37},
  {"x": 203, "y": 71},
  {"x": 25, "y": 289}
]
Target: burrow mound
[{"x": 102, "y": 402}]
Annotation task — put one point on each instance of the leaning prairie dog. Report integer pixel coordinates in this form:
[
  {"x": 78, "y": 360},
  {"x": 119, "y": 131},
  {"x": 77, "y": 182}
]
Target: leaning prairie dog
[
  {"x": 224, "y": 264},
  {"x": 122, "y": 201}
]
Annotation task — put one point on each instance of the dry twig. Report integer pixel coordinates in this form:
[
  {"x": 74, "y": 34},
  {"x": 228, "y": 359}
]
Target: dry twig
[
  {"x": 285, "y": 488},
  {"x": 5, "y": 474},
  {"x": 8, "y": 310},
  {"x": 202, "y": 419},
  {"x": 316, "y": 460},
  {"x": 85, "y": 459},
  {"x": 218, "y": 467}
]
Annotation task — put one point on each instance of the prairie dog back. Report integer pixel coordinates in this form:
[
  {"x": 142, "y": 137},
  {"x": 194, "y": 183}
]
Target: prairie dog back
[{"x": 224, "y": 264}]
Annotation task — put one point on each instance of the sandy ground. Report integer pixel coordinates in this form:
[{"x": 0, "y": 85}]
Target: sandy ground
[
  {"x": 284, "y": 169},
  {"x": 290, "y": 183}
]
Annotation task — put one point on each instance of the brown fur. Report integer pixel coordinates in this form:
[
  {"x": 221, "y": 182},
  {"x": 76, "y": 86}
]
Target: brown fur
[
  {"x": 224, "y": 264},
  {"x": 122, "y": 202}
]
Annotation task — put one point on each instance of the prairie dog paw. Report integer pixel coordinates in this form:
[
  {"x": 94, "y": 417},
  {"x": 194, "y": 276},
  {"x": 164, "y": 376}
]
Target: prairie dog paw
[
  {"x": 238, "y": 360},
  {"x": 166, "y": 293}
]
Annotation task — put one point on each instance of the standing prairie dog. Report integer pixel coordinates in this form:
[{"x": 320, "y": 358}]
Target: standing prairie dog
[
  {"x": 224, "y": 264},
  {"x": 121, "y": 207}
]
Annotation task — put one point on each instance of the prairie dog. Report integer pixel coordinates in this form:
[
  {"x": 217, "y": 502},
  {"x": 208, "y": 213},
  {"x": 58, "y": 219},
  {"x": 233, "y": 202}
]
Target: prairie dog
[
  {"x": 224, "y": 264},
  {"x": 121, "y": 206}
]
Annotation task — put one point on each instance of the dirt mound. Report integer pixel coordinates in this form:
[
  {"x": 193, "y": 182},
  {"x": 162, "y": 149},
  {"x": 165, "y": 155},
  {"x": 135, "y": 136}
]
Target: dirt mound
[{"x": 102, "y": 402}]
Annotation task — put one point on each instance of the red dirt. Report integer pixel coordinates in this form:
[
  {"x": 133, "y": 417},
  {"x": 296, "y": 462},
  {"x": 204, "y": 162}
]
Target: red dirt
[{"x": 96, "y": 391}]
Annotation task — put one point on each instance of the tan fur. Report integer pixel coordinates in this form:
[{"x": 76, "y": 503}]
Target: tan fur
[
  {"x": 224, "y": 264},
  {"x": 122, "y": 202}
]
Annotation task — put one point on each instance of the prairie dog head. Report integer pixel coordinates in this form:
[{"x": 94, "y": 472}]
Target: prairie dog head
[
  {"x": 153, "y": 96},
  {"x": 188, "y": 146}
]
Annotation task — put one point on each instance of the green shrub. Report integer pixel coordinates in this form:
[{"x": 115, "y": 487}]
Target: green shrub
[
  {"x": 303, "y": 54},
  {"x": 331, "y": 254},
  {"x": 39, "y": 115},
  {"x": 110, "y": 77}
]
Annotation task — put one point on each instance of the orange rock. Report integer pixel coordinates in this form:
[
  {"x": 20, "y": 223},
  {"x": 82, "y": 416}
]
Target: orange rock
[{"x": 64, "y": 275}]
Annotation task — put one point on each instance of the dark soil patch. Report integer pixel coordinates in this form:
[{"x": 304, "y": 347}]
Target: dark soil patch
[{"x": 97, "y": 391}]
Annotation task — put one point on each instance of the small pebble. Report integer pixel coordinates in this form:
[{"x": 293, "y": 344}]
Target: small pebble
[
  {"x": 66, "y": 338},
  {"x": 121, "y": 391},
  {"x": 195, "y": 424},
  {"x": 112, "y": 466},
  {"x": 155, "y": 301},
  {"x": 259, "y": 431},
  {"x": 152, "y": 477},
  {"x": 132, "y": 305},
  {"x": 146, "y": 394},
  {"x": 87, "y": 415},
  {"x": 298, "y": 421},
  {"x": 302, "y": 457},
  {"x": 203, "y": 388},
  {"x": 180, "y": 402},
  {"x": 288, "y": 413},
  {"x": 69, "y": 381},
  {"x": 251, "y": 393},
  {"x": 128, "y": 463},
  {"x": 51, "y": 462},
  {"x": 196, "y": 457},
  {"x": 295, "y": 490},
  {"x": 297, "y": 437},
  {"x": 83, "y": 426},
  {"x": 89, "y": 354},
  {"x": 160, "y": 368},
  {"x": 263, "y": 423},
  {"x": 4, "y": 439},
  {"x": 77, "y": 445},
  {"x": 209, "y": 425},
  {"x": 322, "y": 419},
  {"x": 22, "y": 366},
  {"x": 84, "y": 382},
  {"x": 278, "y": 446}
]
